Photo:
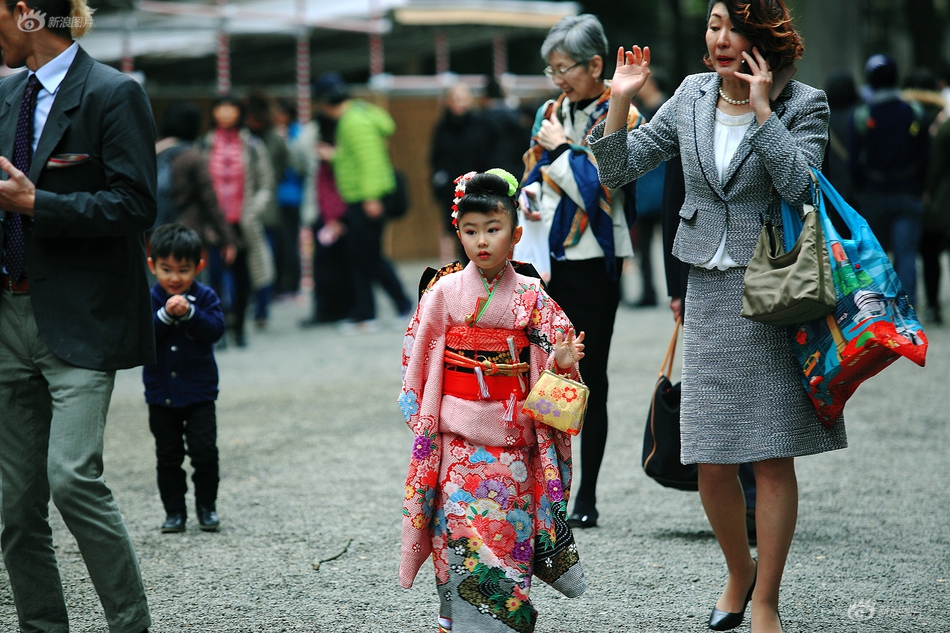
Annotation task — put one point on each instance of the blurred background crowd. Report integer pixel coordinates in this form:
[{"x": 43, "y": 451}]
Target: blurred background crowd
[{"x": 266, "y": 107}]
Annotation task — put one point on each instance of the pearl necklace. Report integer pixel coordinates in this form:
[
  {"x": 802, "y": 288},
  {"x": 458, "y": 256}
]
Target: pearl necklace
[{"x": 736, "y": 102}]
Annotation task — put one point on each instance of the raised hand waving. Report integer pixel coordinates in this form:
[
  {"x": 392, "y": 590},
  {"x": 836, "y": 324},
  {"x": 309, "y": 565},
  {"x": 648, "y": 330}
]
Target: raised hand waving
[{"x": 633, "y": 69}]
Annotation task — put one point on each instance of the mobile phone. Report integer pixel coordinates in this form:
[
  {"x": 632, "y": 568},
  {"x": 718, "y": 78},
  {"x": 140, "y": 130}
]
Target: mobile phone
[{"x": 528, "y": 203}]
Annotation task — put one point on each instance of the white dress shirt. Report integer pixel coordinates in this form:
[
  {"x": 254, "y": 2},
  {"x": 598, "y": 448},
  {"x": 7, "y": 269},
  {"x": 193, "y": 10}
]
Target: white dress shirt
[{"x": 50, "y": 76}]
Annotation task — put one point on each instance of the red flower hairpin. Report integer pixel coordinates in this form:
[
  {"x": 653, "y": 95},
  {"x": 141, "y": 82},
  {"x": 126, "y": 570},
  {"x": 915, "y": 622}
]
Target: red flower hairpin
[{"x": 460, "y": 184}]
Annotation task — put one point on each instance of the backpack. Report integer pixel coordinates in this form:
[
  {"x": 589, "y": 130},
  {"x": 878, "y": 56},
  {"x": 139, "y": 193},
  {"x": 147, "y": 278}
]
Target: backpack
[
  {"x": 886, "y": 149},
  {"x": 164, "y": 190}
]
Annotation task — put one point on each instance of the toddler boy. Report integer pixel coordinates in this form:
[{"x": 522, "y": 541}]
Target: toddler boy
[{"x": 181, "y": 387}]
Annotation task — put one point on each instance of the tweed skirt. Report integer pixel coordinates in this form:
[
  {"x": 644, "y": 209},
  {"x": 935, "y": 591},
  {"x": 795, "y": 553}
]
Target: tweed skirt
[{"x": 742, "y": 396}]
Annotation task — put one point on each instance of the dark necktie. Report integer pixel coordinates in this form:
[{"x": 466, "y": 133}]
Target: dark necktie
[{"x": 15, "y": 255}]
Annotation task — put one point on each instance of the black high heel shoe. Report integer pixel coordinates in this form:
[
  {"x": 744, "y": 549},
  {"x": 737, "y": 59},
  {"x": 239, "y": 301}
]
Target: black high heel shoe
[
  {"x": 726, "y": 621},
  {"x": 583, "y": 519}
]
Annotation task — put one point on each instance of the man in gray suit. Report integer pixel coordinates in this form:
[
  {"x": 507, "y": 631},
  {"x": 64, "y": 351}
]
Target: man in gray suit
[{"x": 77, "y": 153}]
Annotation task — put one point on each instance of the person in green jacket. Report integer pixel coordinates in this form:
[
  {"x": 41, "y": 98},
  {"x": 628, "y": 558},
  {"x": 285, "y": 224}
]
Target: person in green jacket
[{"x": 364, "y": 178}]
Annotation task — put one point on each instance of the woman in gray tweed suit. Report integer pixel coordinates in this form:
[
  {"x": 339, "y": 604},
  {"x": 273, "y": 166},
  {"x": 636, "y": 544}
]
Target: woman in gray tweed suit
[{"x": 744, "y": 132}]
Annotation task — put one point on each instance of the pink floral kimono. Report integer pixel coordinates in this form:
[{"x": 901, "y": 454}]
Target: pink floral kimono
[{"x": 487, "y": 488}]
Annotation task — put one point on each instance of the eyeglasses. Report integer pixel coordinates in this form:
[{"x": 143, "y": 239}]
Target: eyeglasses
[{"x": 560, "y": 72}]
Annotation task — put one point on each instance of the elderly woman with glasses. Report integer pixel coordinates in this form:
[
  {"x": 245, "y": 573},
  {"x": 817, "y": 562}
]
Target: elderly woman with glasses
[{"x": 583, "y": 225}]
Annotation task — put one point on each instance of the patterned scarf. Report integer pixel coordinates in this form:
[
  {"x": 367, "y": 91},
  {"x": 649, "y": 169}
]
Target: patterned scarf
[{"x": 570, "y": 220}]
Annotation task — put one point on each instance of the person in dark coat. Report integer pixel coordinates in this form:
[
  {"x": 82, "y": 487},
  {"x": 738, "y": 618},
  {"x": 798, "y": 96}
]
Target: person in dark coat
[
  {"x": 77, "y": 145},
  {"x": 191, "y": 193},
  {"x": 842, "y": 99},
  {"x": 461, "y": 143},
  {"x": 889, "y": 151},
  {"x": 509, "y": 135}
]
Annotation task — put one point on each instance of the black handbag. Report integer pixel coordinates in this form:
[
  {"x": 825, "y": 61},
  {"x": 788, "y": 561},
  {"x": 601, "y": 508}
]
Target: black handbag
[{"x": 661, "y": 439}]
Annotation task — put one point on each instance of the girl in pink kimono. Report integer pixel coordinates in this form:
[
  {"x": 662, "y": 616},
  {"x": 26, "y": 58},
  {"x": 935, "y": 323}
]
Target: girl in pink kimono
[{"x": 487, "y": 488}]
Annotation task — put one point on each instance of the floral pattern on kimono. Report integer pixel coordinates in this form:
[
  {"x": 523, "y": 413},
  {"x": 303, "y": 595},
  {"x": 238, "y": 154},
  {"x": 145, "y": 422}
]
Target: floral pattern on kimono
[{"x": 485, "y": 497}]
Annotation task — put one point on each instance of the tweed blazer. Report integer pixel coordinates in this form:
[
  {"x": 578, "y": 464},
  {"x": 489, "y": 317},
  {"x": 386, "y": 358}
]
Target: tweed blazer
[{"x": 770, "y": 163}]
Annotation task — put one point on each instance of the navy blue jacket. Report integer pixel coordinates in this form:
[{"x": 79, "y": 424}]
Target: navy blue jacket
[{"x": 185, "y": 371}]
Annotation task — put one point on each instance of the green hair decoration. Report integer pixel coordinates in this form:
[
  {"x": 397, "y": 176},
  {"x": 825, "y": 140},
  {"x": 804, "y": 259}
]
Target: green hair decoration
[{"x": 507, "y": 177}]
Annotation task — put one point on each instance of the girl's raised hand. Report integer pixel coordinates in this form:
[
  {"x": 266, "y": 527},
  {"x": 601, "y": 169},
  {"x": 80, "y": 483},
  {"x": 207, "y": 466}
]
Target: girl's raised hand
[
  {"x": 633, "y": 69},
  {"x": 568, "y": 352}
]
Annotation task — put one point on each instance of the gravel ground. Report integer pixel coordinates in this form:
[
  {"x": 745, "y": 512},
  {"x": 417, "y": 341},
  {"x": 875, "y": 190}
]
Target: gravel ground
[{"x": 313, "y": 459}]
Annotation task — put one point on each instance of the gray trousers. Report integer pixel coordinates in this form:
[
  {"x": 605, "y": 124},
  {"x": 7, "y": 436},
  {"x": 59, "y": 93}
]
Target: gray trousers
[{"x": 52, "y": 419}]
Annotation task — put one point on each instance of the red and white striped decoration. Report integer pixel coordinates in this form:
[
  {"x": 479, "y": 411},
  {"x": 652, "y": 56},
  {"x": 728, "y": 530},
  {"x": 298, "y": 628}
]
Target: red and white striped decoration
[
  {"x": 499, "y": 47},
  {"x": 303, "y": 64},
  {"x": 443, "y": 62},
  {"x": 303, "y": 77},
  {"x": 224, "y": 55},
  {"x": 377, "y": 62},
  {"x": 224, "y": 63},
  {"x": 128, "y": 62}
]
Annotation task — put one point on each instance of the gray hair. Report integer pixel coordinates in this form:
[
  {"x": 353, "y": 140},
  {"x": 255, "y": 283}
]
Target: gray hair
[{"x": 580, "y": 37}]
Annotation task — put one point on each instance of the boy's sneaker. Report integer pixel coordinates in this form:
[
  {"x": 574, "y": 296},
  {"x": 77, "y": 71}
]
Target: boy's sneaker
[
  {"x": 174, "y": 523},
  {"x": 208, "y": 519}
]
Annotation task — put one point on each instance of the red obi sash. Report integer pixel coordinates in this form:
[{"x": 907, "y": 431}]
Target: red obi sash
[{"x": 471, "y": 351}]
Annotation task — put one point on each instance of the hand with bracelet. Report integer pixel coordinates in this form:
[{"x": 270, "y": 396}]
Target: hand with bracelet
[{"x": 568, "y": 351}]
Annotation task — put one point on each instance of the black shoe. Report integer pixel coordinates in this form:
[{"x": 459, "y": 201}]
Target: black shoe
[
  {"x": 174, "y": 523},
  {"x": 208, "y": 519},
  {"x": 724, "y": 620},
  {"x": 240, "y": 340},
  {"x": 583, "y": 519},
  {"x": 647, "y": 301}
]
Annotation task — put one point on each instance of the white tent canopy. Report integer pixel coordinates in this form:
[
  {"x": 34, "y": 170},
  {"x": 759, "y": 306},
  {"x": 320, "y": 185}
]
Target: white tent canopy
[{"x": 185, "y": 29}]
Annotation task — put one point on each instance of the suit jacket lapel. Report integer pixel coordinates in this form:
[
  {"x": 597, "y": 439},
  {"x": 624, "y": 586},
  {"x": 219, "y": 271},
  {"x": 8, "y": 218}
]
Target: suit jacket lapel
[
  {"x": 704, "y": 121},
  {"x": 742, "y": 153},
  {"x": 67, "y": 100},
  {"x": 9, "y": 111}
]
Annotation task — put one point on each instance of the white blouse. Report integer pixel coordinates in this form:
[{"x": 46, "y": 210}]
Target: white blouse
[{"x": 728, "y": 134}]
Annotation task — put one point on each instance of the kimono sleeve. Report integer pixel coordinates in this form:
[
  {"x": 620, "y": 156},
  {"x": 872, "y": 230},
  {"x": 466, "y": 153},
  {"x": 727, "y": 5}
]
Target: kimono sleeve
[
  {"x": 420, "y": 401},
  {"x": 556, "y": 560},
  {"x": 554, "y": 446}
]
